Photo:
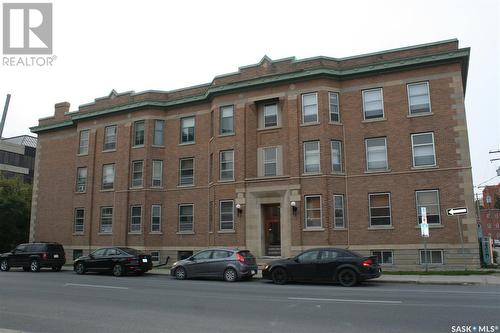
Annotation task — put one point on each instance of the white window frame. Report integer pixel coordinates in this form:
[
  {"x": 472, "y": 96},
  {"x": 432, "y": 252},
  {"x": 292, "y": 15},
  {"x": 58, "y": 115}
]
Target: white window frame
[
  {"x": 131, "y": 220},
  {"x": 220, "y": 216},
  {"x": 156, "y": 255},
  {"x": 76, "y": 221},
  {"x": 343, "y": 212},
  {"x": 425, "y": 144},
  {"x": 221, "y": 109},
  {"x": 81, "y": 187},
  {"x": 221, "y": 169},
  {"x": 386, "y": 155},
  {"x": 101, "y": 230},
  {"x": 364, "y": 104},
  {"x": 159, "y": 219},
  {"x": 306, "y": 226},
  {"x": 381, "y": 262},
  {"x": 330, "y": 106},
  {"x": 340, "y": 156},
  {"x": 103, "y": 176},
  {"x": 179, "y": 218},
  {"x": 159, "y": 177},
  {"x": 305, "y": 156},
  {"x": 265, "y": 162},
  {"x": 183, "y": 127},
  {"x": 418, "y": 206},
  {"x": 107, "y": 137},
  {"x": 428, "y": 97},
  {"x": 264, "y": 108},
  {"x": 136, "y": 123},
  {"x": 83, "y": 143},
  {"x": 422, "y": 251},
  {"x": 180, "y": 171},
  {"x": 370, "y": 210},
  {"x": 157, "y": 133},
  {"x": 303, "y": 108},
  {"x": 134, "y": 172}
]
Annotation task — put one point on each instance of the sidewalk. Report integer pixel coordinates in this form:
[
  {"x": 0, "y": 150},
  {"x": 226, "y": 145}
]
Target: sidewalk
[{"x": 492, "y": 279}]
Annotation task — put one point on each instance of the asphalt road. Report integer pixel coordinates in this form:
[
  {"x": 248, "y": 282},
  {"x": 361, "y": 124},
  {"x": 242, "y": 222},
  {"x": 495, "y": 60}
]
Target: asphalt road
[{"x": 66, "y": 302}]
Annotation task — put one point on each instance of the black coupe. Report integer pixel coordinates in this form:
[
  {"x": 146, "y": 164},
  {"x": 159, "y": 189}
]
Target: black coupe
[
  {"x": 118, "y": 260},
  {"x": 324, "y": 264}
]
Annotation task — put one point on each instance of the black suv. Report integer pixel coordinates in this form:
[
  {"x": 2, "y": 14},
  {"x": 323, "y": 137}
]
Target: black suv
[{"x": 33, "y": 256}]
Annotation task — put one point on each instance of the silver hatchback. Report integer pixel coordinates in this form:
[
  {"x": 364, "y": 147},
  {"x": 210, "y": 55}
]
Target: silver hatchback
[{"x": 228, "y": 264}]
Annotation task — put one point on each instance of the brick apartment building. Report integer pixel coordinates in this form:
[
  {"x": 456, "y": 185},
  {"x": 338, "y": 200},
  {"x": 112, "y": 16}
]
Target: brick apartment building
[
  {"x": 490, "y": 215},
  {"x": 281, "y": 156},
  {"x": 491, "y": 194}
]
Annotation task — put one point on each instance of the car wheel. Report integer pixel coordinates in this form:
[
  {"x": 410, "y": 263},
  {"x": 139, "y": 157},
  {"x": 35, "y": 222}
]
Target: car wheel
[
  {"x": 26, "y": 269},
  {"x": 4, "y": 265},
  {"x": 80, "y": 268},
  {"x": 56, "y": 268},
  {"x": 180, "y": 273},
  {"x": 117, "y": 270},
  {"x": 347, "y": 277},
  {"x": 230, "y": 275},
  {"x": 34, "y": 266},
  {"x": 279, "y": 276}
]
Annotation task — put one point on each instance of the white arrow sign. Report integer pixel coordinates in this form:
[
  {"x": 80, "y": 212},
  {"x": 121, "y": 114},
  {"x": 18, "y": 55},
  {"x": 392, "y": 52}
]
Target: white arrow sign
[{"x": 456, "y": 211}]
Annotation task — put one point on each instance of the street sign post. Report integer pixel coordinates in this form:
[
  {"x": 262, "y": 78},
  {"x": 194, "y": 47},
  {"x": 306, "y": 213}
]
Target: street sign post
[
  {"x": 424, "y": 231},
  {"x": 459, "y": 211}
]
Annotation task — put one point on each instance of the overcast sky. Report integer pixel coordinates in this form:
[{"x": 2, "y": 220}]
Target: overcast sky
[{"x": 164, "y": 45}]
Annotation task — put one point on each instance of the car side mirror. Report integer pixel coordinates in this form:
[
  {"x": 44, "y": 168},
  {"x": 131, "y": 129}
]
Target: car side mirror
[
  {"x": 296, "y": 259},
  {"x": 91, "y": 256},
  {"x": 13, "y": 251},
  {"x": 191, "y": 259}
]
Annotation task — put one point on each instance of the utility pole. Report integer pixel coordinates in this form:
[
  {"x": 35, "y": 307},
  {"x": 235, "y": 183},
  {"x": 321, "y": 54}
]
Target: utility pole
[{"x": 4, "y": 115}]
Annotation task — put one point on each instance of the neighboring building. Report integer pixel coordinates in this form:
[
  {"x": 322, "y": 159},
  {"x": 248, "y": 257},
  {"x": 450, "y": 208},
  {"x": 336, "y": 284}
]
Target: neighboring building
[
  {"x": 281, "y": 156},
  {"x": 490, "y": 195},
  {"x": 17, "y": 157},
  {"x": 490, "y": 223}
]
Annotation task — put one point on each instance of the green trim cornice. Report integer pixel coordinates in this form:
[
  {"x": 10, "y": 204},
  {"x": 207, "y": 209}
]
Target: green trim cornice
[{"x": 339, "y": 73}]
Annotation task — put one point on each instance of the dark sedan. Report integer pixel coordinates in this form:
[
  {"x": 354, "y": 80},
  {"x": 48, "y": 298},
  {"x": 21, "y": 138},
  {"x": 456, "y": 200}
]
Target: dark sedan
[
  {"x": 228, "y": 264},
  {"x": 325, "y": 264},
  {"x": 118, "y": 260}
]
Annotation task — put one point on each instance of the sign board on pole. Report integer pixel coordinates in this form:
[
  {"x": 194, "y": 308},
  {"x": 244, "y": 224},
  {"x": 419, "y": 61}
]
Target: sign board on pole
[
  {"x": 424, "y": 227},
  {"x": 456, "y": 211}
]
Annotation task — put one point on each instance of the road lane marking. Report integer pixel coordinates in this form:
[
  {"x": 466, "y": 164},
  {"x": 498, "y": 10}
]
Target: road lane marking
[
  {"x": 342, "y": 300},
  {"x": 92, "y": 286}
]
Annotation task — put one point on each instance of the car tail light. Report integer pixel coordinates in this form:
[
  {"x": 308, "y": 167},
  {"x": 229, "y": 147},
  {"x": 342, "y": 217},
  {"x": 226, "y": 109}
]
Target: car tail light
[
  {"x": 367, "y": 263},
  {"x": 240, "y": 258},
  {"x": 45, "y": 255},
  {"x": 132, "y": 260}
]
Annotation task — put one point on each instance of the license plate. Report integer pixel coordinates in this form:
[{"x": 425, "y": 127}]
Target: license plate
[
  {"x": 254, "y": 272},
  {"x": 144, "y": 260},
  {"x": 56, "y": 256}
]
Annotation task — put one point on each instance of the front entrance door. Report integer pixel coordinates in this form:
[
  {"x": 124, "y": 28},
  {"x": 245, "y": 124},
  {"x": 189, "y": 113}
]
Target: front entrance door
[{"x": 272, "y": 232}]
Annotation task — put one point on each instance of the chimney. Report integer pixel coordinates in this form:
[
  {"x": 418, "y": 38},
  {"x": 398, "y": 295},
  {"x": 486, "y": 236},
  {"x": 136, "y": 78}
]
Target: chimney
[{"x": 61, "y": 109}]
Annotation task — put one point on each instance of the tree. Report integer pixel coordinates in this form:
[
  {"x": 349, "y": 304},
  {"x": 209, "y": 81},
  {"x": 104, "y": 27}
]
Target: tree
[{"x": 15, "y": 210}]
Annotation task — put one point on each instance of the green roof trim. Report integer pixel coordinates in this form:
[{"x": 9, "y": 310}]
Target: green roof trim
[
  {"x": 36, "y": 129},
  {"x": 272, "y": 79}
]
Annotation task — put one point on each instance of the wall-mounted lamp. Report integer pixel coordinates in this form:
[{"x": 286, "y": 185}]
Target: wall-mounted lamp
[
  {"x": 294, "y": 207},
  {"x": 239, "y": 209}
]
